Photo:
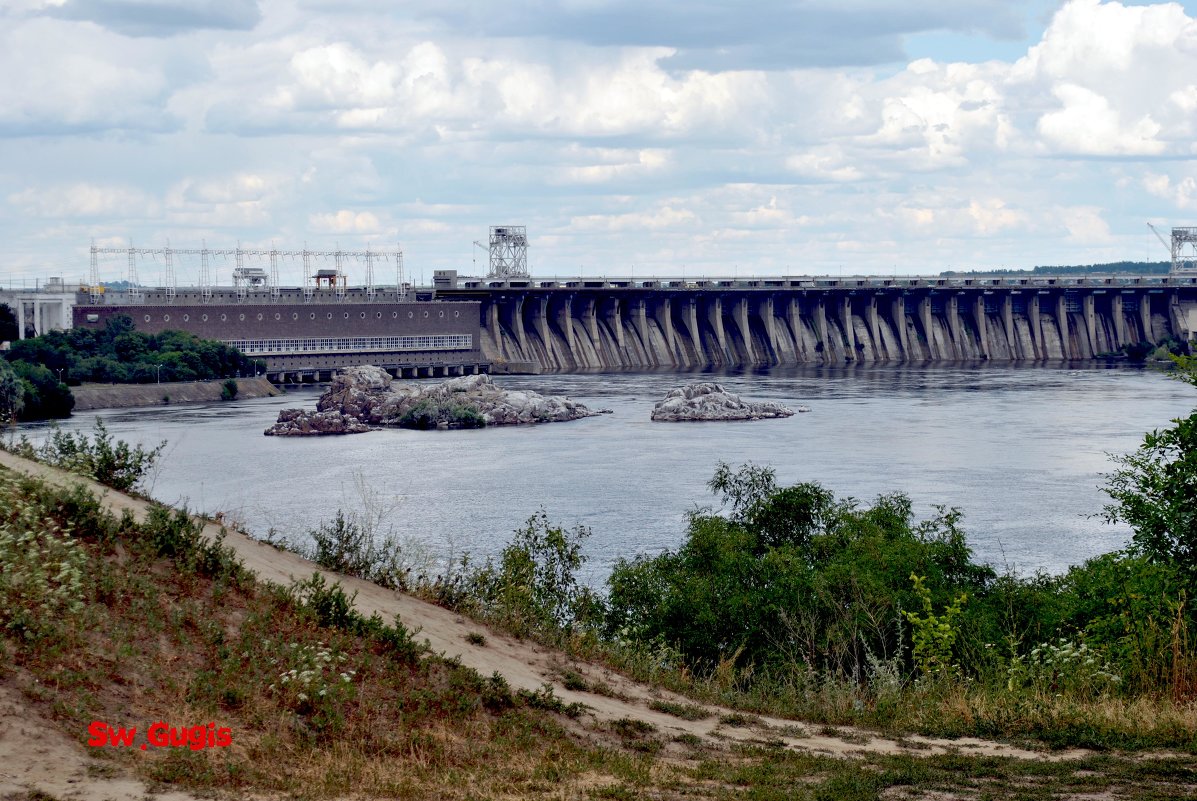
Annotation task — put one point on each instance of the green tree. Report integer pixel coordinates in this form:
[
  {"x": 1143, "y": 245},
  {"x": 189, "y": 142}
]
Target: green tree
[
  {"x": 1154, "y": 490},
  {"x": 934, "y": 635},
  {"x": 44, "y": 395},
  {"x": 791, "y": 574},
  {"x": 8, "y": 324},
  {"x": 12, "y": 394},
  {"x": 534, "y": 588},
  {"x": 119, "y": 354}
]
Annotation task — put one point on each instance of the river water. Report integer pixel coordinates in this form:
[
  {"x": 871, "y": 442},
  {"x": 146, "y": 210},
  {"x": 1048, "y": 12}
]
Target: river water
[{"x": 1019, "y": 449}]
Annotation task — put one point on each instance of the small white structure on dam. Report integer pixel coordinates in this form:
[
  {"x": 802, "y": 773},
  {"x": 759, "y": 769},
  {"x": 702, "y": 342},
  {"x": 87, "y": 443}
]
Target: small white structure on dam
[{"x": 46, "y": 307}]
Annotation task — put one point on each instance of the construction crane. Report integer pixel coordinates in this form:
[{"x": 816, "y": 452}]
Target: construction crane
[
  {"x": 480, "y": 246},
  {"x": 1160, "y": 237}
]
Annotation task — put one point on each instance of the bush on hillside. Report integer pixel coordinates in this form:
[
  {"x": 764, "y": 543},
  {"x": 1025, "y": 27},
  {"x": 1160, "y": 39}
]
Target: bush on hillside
[{"x": 114, "y": 464}]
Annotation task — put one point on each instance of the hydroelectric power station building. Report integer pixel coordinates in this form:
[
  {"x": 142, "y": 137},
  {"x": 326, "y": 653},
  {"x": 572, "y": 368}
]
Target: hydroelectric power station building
[{"x": 306, "y": 334}]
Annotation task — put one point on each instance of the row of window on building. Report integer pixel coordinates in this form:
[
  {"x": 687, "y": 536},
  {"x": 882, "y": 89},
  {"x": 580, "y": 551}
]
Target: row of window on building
[
  {"x": 278, "y": 316},
  {"x": 280, "y": 347}
]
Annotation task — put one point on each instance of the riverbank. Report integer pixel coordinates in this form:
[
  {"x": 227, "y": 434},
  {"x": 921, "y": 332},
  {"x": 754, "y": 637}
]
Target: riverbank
[
  {"x": 127, "y": 396},
  {"x": 204, "y": 632}
]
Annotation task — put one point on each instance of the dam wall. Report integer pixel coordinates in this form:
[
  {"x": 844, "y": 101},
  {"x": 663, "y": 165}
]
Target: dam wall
[{"x": 586, "y": 325}]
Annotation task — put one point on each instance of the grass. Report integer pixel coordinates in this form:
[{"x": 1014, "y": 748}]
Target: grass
[
  {"x": 683, "y": 711},
  {"x": 637, "y": 735},
  {"x": 573, "y": 680},
  {"x": 948, "y": 709},
  {"x": 770, "y": 773},
  {"x": 321, "y": 701},
  {"x": 171, "y": 627}
]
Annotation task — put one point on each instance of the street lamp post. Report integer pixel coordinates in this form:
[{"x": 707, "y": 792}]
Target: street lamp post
[{"x": 158, "y": 372}]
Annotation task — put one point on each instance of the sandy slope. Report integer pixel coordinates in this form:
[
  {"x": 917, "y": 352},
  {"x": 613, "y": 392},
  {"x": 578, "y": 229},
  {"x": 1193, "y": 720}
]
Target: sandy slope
[{"x": 24, "y": 761}]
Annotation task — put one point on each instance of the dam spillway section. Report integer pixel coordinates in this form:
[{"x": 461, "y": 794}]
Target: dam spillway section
[{"x": 529, "y": 324}]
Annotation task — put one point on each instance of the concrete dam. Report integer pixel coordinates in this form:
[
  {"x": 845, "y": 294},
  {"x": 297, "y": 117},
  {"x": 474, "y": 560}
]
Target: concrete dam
[{"x": 586, "y": 324}]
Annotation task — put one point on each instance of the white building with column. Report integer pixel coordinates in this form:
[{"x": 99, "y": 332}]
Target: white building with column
[{"x": 47, "y": 307}]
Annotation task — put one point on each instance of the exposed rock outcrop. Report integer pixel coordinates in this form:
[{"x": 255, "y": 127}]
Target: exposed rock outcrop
[
  {"x": 708, "y": 401},
  {"x": 304, "y": 423},
  {"x": 371, "y": 398}
]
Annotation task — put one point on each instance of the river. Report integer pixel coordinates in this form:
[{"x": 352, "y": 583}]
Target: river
[{"x": 1019, "y": 449}]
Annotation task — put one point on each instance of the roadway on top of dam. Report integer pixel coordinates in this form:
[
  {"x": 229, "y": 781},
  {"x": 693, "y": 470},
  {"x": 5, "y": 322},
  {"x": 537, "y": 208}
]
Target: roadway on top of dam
[{"x": 876, "y": 282}]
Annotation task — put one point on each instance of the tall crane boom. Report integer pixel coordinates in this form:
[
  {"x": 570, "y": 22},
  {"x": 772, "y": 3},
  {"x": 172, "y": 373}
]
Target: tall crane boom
[{"x": 1160, "y": 237}]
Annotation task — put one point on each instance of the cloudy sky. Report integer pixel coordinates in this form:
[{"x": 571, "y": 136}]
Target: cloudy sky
[{"x": 643, "y": 136}]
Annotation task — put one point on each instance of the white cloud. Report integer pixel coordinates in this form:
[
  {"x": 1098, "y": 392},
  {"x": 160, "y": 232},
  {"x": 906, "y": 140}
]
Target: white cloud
[
  {"x": 338, "y": 86},
  {"x": 61, "y": 78},
  {"x": 240, "y": 188},
  {"x": 824, "y": 164},
  {"x": 230, "y": 201},
  {"x": 1119, "y": 76},
  {"x": 1181, "y": 192},
  {"x": 992, "y": 215},
  {"x": 658, "y": 219},
  {"x": 951, "y": 217},
  {"x": 336, "y": 121},
  {"x": 84, "y": 200},
  {"x": 1088, "y": 124},
  {"x": 1085, "y": 224},
  {"x": 345, "y": 221},
  {"x": 612, "y": 164}
]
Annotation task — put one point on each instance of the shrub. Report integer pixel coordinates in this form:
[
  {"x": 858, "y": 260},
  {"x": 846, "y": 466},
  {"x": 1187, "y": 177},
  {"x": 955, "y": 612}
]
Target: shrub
[
  {"x": 933, "y": 635},
  {"x": 428, "y": 414},
  {"x": 228, "y": 390},
  {"x": 115, "y": 464},
  {"x": 312, "y": 682},
  {"x": 1153, "y": 492},
  {"x": 534, "y": 588},
  {"x": 331, "y": 606},
  {"x": 12, "y": 394},
  {"x": 1062, "y": 666},
  {"x": 43, "y": 395},
  {"x": 174, "y": 534},
  {"x": 41, "y": 568},
  {"x": 350, "y": 546},
  {"x": 1131, "y": 611},
  {"x": 791, "y": 576}
]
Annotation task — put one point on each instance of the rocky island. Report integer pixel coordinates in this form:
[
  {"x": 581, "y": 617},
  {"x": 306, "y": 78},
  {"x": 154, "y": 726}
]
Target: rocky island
[
  {"x": 709, "y": 401},
  {"x": 364, "y": 398}
]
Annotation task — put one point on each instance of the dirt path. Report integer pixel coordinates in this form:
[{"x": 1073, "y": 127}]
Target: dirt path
[
  {"x": 529, "y": 666},
  {"x": 36, "y": 756}
]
